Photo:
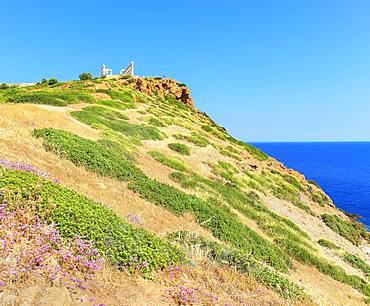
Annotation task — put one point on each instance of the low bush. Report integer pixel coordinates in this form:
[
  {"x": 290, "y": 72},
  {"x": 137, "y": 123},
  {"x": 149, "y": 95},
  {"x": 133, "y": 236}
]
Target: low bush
[
  {"x": 285, "y": 187},
  {"x": 125, "y": 96},
  {"x": 225, "y": 170},
  {"x": 293, "y": 181},
  {"x": 52, "y": 81},
  {"x": 156, "y": 122},
  {"x": 124, "y": 245},
  {"x": 230, "y": 151},
  {"x": 328, "y": 244},
  {"x": 179, "y": 148},
  {"x": 357, "y": 262},
  {"x": 353, "y": 231},
  {"x": 194, "y": 138},
  {"x": 171, "y": 162},
  {"x": 28, "y": 242},
  {"x": 300, "y": 253},
  {"x": 352, "y": 259},
  {"x": 117, "y": 104},
  {"x": 49, "y": 98},
  {"x": 85, "y": 76},
  {"x": 242, "y": 262},
  {"x": 101, "y": 116},
  {"x": 4, "y": 86},
  {"x": 312, "y": 182}
]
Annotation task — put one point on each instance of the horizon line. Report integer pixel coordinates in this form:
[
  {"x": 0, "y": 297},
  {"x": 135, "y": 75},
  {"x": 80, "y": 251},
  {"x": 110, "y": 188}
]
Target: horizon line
[{"x": 307, "y": 141}]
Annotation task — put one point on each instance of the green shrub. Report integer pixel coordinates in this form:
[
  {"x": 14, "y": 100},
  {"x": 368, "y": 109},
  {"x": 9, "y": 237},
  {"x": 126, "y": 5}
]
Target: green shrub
[
  {"x": 223, "y": 135},
  {"x": 230, "y": 151},
  {"x": 4, "y": 86},
  {"x": 194, "y": 138},
  {"x": 44, "y": 82},
  {"x": 247, "y": 204},
  {"x": 301, "y": 254},
  {"x": 312, "y": 182},
  {"x": 117, "y": 104},
  {"x": 293, "y": 181},
  {"x": 243, "y": 263},
  {"x": 125, "y": 96},
  {"x": 52, "y": 81},
  {"x": 179, "y": 148},
  {"x": 156, "y": 122},
  {"x": 122, "y": 244},
  {"x": 328, "y": 244},
  {"x": 95, "y": 156},
  {"x": 285, "y": 187},
  {"x": 353, "y": 231},
  {"x": 225, "y": 170},
  {"x": 101, "y": 116},
  {"x": 357, "y": 262},
  {"x": 352, "y": 259},
  {"x": 85, "y": 76},
  {"x": 49, "y": 98},
  {"x": 171, "y": 162}
]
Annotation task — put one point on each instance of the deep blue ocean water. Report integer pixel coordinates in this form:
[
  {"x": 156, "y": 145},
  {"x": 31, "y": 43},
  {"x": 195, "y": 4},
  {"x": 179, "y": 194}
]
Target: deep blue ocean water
[{"x": 342, "y": 169}]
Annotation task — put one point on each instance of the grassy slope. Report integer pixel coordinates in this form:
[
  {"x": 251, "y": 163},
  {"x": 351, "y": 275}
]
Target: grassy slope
[{"x": 229, "y": 189}]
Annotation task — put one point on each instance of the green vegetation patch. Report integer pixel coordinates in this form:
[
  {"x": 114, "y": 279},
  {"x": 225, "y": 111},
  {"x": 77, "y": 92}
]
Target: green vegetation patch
[
  {"x": 284, "y": 187},
  {"x": 125, "y": 246},
  {"x": 172, "y": 162},
  {"x": 224, "y": 224},
  {"x": 357, "y": 262},
  {"x": 50, "y": 98},
  {"x": 230, "y": 151},
  {"x": 194, "y": 138},
  {"x": 242, "y": 262},
  {"x": 352, "y": 259},
  {"x": 302, "y": 254},
  {"x": 125, "y": 96},
  {"x": 328, "y": 244},
  {"x": 179, "y": 148},
  {"x": 247, "y": 204},
  {"x": 156, "y": 122},
  {"x": 223, "y": 135},
  {"x": 117, "y": 104},
  {"x": 102, "y": 116},
  {"x": 353, "y": 231},
  {"x": 225, "y": 170}
]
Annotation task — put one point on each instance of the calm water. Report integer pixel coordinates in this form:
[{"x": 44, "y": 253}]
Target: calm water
[{"x": 342, "y": 169}]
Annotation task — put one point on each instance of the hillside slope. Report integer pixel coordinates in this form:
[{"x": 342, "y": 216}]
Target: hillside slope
[{"x": 120, "y": 192}]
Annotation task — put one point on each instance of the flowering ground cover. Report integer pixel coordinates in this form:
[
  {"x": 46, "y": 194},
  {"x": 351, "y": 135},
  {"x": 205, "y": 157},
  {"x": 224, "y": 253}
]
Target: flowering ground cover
[
  {"x": 29, "y": 246},
  {"x": 125, "y": 246}
]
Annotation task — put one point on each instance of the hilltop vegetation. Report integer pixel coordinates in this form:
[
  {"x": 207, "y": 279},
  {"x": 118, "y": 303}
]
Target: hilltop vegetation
[{"x": 248, "y": 212}]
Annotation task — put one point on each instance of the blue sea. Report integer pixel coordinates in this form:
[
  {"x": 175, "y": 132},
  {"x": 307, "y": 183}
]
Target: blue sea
[{"x": 342, "y": 169}]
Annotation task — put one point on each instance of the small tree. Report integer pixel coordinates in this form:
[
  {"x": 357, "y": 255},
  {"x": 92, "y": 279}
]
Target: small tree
[
  {"x": 52, "y": 81},
  {"x": 4, "y": 86},
  {"x": 85, "y": 76}
]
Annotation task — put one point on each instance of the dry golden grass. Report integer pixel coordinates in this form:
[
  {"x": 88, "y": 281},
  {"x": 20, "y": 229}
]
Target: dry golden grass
[
  {"x": 323, "y": 289},
  {"x": 17, "y": 144},
  {"x": 316, "y": 229},
  {"x": 19, "y": 120},
  {"x": 231, "y": 287}
]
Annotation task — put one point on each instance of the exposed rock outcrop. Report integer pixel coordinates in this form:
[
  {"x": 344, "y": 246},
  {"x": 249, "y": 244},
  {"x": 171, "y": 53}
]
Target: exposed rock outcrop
[{"x": 162, "y": 87}]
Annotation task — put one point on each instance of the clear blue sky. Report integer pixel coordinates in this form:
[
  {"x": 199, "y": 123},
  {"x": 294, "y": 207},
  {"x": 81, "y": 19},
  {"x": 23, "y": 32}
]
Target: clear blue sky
[{"x": 266, "y": 70}]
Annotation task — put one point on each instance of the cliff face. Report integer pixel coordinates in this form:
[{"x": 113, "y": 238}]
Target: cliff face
[
  {"x": 132, "y": 185},
  {"x": 162, "y": 87}
]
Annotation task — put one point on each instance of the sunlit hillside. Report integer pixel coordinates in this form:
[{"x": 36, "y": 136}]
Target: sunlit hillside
[{"x": 119, "y": 191}]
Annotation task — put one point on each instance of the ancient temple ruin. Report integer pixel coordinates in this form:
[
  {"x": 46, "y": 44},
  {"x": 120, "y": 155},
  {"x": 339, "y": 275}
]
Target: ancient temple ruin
[{"x": 107, "y": 72}]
